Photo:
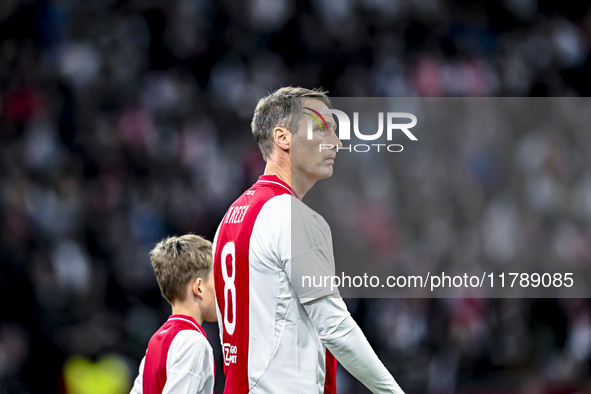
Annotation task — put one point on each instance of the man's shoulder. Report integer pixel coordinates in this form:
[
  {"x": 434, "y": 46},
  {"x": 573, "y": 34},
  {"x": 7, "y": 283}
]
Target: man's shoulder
[
  {"x": 280, "y": 202},
  {"x": 290, "y": 206},
  {"x": 256, "y": 197},
  {"x": 301, "y": 208},
  {"x": 263, "y": 190}
]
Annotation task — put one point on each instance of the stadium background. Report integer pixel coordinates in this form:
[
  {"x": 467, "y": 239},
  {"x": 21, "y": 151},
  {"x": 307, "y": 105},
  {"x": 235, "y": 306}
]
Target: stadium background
[{"x": 124, "y": 121}]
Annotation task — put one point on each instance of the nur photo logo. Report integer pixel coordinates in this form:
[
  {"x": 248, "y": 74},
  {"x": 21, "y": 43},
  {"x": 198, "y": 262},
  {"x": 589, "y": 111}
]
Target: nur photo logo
[{"x": 344, "y": 129}]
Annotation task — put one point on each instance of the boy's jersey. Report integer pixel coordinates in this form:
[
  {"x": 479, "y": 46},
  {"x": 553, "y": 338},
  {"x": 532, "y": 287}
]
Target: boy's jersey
[
  {"x": 178, "y": 360},
  {"x": 268, "y": 342}
]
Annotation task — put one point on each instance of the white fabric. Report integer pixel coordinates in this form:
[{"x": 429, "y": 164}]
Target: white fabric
[
  {"x": 284, "y": 350},
  {"x": 287, "y": 334},
  {"x": 189, "y": 366},
  {"x": 343, "y": 337}
]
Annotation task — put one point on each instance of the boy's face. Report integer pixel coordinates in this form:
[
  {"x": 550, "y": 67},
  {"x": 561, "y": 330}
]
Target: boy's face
[{"x": 208, "y": 312}]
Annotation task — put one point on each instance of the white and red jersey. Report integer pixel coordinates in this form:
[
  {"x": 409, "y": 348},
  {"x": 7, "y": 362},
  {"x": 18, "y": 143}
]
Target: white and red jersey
[
  {"x": 276, "y": 332},
  {"x": 269, "y": 344},
  {"x": 179, "y": 360}
]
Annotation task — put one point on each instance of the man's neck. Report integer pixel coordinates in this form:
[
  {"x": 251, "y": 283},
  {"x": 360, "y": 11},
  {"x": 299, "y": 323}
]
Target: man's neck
[
  {"x": 284, "y": 173},
  {"x": 279, "y": 171}
]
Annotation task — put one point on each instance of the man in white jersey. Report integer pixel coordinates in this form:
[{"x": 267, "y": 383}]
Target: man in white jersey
[{"x": 278, "y": 337}]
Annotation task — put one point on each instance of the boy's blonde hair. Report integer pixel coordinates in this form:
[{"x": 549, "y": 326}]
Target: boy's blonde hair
[{"x": 179, "y": 260}]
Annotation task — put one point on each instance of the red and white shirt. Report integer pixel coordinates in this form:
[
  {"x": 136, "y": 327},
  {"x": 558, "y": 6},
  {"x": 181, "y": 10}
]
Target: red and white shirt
[
  {"x": 179, "y": 360},
  {"x": 278, "y": 336},
  {"x": 268, "y": 343}
]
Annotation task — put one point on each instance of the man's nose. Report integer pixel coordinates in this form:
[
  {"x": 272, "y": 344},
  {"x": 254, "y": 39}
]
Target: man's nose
[{"x": 336, "y": 140}]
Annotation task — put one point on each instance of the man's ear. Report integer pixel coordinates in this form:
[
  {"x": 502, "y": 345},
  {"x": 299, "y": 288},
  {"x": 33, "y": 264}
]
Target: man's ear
[
  {"x": 197, "y": 288},
  {"x": 282, "y": 137}
]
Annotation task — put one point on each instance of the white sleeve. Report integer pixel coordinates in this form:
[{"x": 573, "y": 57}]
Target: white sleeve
[
  {"x": 138, "y": 385},
  {"x": 345, "y": 340},
  {"x": 304, "y": 245},
  {"x": 189, "y": 365}
]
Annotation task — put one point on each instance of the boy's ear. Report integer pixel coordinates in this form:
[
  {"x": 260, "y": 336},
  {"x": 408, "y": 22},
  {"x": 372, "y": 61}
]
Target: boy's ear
[{"x": 197, "y": 288}]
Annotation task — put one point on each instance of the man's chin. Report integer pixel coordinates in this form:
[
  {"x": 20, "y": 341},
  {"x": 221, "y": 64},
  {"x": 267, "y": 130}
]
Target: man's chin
[
  {"x": 325, "y": 172},
  {"x": 328, "y": 172}
]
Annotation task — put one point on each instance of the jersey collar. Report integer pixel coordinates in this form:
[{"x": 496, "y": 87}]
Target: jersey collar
[
  {"x": 188, "y": 320},
  {"x": 273, "y": 180}
]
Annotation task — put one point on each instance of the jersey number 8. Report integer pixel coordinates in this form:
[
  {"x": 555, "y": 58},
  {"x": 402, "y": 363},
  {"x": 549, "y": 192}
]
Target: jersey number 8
[{"x": 229, "y": 252}]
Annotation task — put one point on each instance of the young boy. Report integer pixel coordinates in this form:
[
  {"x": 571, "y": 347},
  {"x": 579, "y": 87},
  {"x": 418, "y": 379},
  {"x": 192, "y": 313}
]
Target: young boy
[{"x": 179, "y": 359}]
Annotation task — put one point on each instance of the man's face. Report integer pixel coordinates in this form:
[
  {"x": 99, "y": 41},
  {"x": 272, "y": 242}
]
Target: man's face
[{"x": 307, "y": 160}]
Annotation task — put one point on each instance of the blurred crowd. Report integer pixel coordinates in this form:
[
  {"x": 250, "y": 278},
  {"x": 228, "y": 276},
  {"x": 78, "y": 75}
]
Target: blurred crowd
[
  {"x": 492, "y": 185},
  {"x": 123, "y": 121}
]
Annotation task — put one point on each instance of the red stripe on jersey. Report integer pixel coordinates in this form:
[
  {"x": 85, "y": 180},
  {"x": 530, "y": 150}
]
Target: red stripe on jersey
[
  {"x": 330, "y": 379},
  {"x": 154, "y": 375},
  {"x": 231, "y": 274}
]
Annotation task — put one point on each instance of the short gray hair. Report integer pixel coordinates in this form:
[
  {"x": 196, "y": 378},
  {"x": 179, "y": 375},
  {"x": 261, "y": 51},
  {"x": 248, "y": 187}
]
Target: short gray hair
[{"x": 280, "y": 109}]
